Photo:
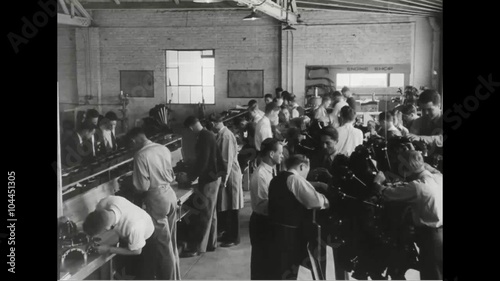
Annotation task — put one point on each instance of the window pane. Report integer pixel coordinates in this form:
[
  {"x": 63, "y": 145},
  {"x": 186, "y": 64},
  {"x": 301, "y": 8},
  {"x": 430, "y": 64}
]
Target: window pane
[
  {"x": 209, "y": 94},
  {"x": 196, "y": 96},
  {"x": 172, "y": 59},
  {"x": 190, "y": 68},
  {"x": 343, "y": 80},
  {"x": 173, "y": 94},
  {"x": 208, "y": 53},
  {"x": 184, "y": 94},
  {"x": 172, "y": 76},
  {"x": 208, "y": 62},
  {"x": 397, "y": 79},
  {"x": 208, "y": 76},
  {"x": 368, "y": 80}
]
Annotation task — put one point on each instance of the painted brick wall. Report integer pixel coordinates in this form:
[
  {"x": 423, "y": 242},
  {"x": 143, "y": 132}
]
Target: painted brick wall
[
  {"x": 343, "y": 38},
  {"x": 136, "y": 40},
  {"x": 66, "y": 67}
]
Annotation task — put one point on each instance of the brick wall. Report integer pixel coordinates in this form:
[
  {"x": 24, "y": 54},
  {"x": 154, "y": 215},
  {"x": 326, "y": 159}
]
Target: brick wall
[
  {"x": 136, "y": 40},
  {"x": 90, "y": 59}
]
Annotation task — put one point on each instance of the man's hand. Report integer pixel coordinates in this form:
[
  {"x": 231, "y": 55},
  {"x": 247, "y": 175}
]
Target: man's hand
[
  {"x": 320, "y": 185},
  {"x": 284, "y": 142},
  {"x": 103, "y": 249},
  {"x": 413, "y": 137},
  {"x": 379, "y": 178}
]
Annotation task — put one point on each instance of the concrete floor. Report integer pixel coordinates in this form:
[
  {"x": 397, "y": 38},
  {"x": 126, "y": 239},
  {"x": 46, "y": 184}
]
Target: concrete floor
[{"x": 233, "y": 263}]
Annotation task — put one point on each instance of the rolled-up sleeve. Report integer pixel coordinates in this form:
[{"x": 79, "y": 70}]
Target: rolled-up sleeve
[
  {"x": 306, "y": 194},
  {"x": 136, "y": 240},
  {"x": 141, "y": 174},
  {"x": 407, "y": 192}
]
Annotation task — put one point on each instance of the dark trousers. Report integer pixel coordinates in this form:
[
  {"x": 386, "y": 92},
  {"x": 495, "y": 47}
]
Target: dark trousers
[
  {"x": 260, "y": 236},
  {"x": 289, "y": 251},
  {"x": 229, "y": 223},
  {"x": 430, "y": 243},
  {"x": 154, "y": 260}
]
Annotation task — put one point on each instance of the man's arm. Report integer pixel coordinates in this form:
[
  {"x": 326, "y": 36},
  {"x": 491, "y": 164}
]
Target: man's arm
[
  {"x": 262, "y": 192},
  {"x": 306, "y": 194},
  {"x": 406, "y": 192},
  {"x": 141, "y": 174},
  {"x": 229, "y": 149}
]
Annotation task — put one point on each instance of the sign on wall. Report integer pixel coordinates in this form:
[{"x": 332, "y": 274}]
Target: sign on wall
[
  {"x": 245, "y": 83},
  {"x": 137, "y": 83}
]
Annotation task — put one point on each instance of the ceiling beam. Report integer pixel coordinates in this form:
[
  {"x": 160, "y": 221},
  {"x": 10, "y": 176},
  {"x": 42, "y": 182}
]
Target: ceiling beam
[
  {"x": 80, "y": 8},
  {"x": 63, "y": 6},
  {"x": 395, "y": 3},
  {"x": 272, "y": 9},
  {"x": 422, "y": 4},
  {"x": 310, "y": 4},
  {"x": 364, "y": 3},
  {"x": 164, "y": 5},
  {"x": 117, "y": 2},
  {"x": 73, "y": 21}
]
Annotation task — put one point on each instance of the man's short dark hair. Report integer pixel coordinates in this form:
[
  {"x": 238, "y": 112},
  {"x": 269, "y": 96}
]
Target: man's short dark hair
[
  {"x": 91, "y": 113},
  {"x": 190, "y": 121},
  {"x": 325, "y": 98},
  {"x": 95, "y": 222},
  {"x": 251, "y": 103},
  {"x": 336, "y": 94},
  {"x": 268, "y": 145},
  {"x": 272, "y": 106},
  {"x": 268, "y": 96},
  {"x": 345, "y": 89},
  {"x": 134, "y": 132},
  {"x": 330, "y": 132},
  {"x": 278, "y": 90},
  {"x": 347, "y": 113},
  {"x": 409, "y": 109},
  {"x": 386, "y": 116},
  {"x": 87, "y": 126},
  {"x": 216, "y": 118},
  {"x": 429, "y": 96},
  {"x": 111, "y": 116},
  {"x": 296, "y": 160}
]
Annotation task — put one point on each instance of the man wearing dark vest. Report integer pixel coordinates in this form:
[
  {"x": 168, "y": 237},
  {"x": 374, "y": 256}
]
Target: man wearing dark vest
[{"x": 291, "y": 199}]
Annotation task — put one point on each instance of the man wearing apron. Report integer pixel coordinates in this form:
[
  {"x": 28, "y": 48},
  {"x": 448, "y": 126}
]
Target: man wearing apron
[
  {"x": 230, "y": 199},
  {"x": 152, "y": 175}
]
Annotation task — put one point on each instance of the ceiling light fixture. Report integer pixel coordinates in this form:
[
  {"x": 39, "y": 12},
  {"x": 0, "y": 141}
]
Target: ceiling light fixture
[
  {"x": 253, "y": 16},
  {"x": 288, "y": 27}
]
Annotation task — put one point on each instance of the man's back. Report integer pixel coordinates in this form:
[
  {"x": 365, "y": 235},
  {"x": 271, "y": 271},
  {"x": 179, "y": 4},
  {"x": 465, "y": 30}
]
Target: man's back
[
  {"x": 209, "y": 164},
  {"x": 263, "y": 131},
  {"x": 152, "y": 164},
  {"x": 423, "y": 126},
  {"x": 349, "y": 139},
  {"x": 133, "y": 222}
]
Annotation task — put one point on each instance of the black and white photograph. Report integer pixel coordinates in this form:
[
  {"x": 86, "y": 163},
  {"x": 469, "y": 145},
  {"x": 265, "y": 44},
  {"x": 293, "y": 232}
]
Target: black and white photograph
[
  {"x": 241, "y": 140},
  {"x": 327, "y": 166}
]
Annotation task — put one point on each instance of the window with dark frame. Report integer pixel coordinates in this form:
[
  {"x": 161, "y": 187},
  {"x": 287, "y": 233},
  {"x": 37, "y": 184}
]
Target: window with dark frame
[{"x": 190, "y": 76}]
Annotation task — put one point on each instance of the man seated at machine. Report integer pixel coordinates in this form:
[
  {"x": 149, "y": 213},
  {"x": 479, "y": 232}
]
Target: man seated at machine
[
  {"x": 76, "y": 149},
  {"x": 291, "y": 197},
  {"x": 106, "y": 132},
  {"x": 429, "y": 127},
  {"x": 424, "y": 191},
  {"x": 134, "y": 227}
]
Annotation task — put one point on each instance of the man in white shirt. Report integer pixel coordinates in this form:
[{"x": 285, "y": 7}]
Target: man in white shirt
[
  {"x": 263, "y": 130},
  {"x": 152, "y": 175},
  {"x": 424, "y": 192},
  {"x": 131, "y": 223},
  {"x": 255, "y": 113},
  {"x": 291, "y": 198},
  {"x": 272, "y": 155},
  {"x": 339, "y": 102},
  {"x": 349, "y": 137}
]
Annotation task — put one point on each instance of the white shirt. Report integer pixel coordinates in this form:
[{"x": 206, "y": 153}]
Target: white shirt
[
  {"x": 305, "y": 193},
  {"x": 152, "y": 167},
  {"x": 132, "y": 222},
  {"x": 263, "y": 131},
  {"x": 349, "y": 139},
  {"x": 259, "y": 188},
  {"x": 425, "y": 195},
  {"x": 336, "y": 111}
]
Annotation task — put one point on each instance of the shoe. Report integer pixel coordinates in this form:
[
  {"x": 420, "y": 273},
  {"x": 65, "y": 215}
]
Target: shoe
[
  {"x": 210, "y": 249},
  {"x": 228, "y": 244},
  {"x": 187, "y": 254}
]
